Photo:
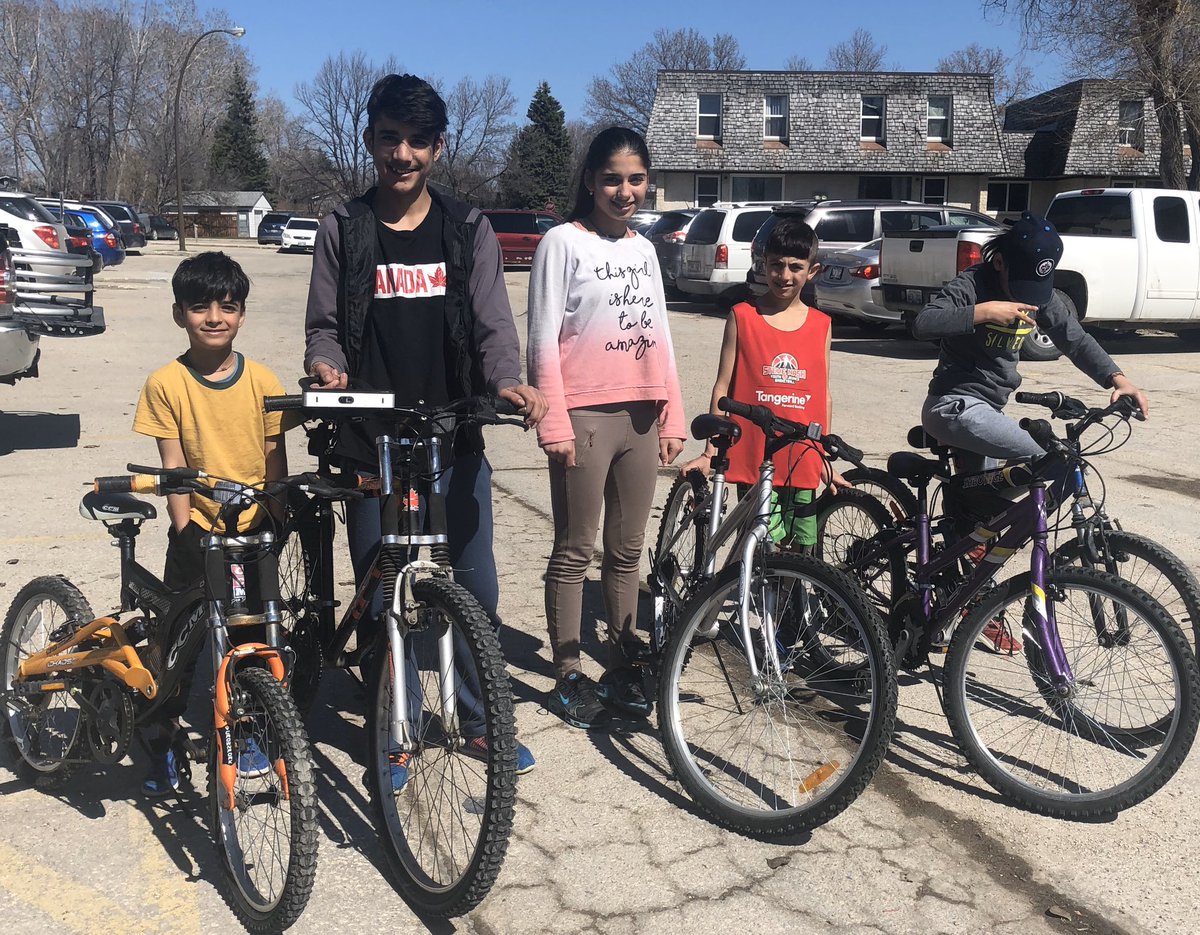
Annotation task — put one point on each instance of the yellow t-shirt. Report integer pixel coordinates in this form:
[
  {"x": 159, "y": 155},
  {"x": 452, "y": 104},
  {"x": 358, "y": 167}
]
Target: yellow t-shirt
[{"x": 221, "y": 425}]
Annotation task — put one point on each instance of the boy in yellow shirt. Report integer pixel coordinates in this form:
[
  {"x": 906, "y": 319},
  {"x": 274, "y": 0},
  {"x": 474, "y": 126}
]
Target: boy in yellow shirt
[{"x": 205, "y": 411}]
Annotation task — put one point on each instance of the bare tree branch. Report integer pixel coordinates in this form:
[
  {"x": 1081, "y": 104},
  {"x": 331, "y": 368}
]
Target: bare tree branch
[{"x": 858, "y": 53}]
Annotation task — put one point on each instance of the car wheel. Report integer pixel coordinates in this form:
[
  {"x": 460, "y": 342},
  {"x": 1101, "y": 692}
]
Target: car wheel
[
  {"x": 153, "y": 234},
  {"x": 1038, "y": 345}
]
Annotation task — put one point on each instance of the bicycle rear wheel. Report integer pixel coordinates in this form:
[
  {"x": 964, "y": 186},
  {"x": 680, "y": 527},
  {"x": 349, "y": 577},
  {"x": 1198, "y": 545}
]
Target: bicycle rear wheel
[
  {"x": 1110, "y": 740},
  {"x": 679, "y": 549},
  {"x": 43, "y": 728},
  {"x": 300, "y": 572},
  {"x": 788, "y": 751},
  {"x": 267, "y": 838},
  {"x": 1150, "y": 566},
  {"x": 444, "y": 810},
  {"x": 895, "y": 495}
]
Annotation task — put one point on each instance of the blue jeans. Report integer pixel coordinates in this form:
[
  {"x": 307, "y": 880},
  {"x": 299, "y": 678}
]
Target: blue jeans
[{"x": 468, "y": 486}]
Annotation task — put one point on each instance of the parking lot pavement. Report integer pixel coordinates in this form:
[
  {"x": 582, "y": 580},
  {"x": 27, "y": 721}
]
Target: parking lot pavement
[{"x": 604, "y": 840}]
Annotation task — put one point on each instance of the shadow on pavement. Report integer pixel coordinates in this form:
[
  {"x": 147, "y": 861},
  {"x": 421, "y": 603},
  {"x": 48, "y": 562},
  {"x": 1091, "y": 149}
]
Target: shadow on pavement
[
  {"x": 29, "y": 431},
  {"x": 1126, "y": 343}
]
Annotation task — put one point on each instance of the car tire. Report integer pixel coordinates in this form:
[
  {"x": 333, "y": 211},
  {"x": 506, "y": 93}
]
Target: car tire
[
  {"x": 1038, "y": 345},
  {"x": 154, "y": 235}
]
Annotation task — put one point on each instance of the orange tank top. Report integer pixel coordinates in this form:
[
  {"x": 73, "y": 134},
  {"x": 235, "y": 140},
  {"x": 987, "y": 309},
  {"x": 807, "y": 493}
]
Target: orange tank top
[{"x": 786, "y": 372}]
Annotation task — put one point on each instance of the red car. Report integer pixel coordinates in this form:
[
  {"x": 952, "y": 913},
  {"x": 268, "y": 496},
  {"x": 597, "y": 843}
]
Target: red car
[{"x": 519, "y": 232}]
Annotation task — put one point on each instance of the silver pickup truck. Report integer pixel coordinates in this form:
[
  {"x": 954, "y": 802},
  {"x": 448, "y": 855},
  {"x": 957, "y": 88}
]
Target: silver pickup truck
[{"x": 41, "y": 295}]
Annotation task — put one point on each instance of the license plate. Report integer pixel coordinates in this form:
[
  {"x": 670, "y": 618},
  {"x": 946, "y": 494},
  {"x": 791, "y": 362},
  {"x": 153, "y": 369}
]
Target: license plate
[
  {"x": 836, "y": 273},
  {"x": 914, "y": 296}
]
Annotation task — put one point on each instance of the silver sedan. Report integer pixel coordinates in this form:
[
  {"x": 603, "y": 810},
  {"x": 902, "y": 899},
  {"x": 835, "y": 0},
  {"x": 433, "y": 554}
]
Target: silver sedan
[{"x": 847, "y": 285}]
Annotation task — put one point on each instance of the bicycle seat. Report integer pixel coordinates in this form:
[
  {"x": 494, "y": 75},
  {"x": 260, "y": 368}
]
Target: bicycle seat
[
  {"x": 110, "y": 507},
  {"x": 912, "y": 467},
  {"x": 710, "y": 426},
  {"x": 919, "y": 438}
]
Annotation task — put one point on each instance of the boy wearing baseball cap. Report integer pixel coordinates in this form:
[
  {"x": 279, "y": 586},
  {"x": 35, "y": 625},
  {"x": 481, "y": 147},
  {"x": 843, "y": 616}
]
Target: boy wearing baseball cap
[{"x": 982, "y": 317}]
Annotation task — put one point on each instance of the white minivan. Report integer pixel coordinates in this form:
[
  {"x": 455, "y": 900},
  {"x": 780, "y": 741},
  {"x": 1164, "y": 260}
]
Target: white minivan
[{"x": 716, "y": 254}]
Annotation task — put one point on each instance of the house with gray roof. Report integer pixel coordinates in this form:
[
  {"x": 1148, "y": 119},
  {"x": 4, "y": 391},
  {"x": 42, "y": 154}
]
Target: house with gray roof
[
  {"x": 779, "y": 135},
  {"x": 1090, "y": 133},
  {"x": 221, "y": 214}
]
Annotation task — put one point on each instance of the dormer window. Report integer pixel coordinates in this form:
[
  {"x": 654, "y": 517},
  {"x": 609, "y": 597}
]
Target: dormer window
[
  {"x": 937, "y": 119},
  {"x": 775, "y": 117},
  {"x": 708, "y": 121},
  {"x": 1131, "y": 125},
  {"x": 872, "y": 118}
]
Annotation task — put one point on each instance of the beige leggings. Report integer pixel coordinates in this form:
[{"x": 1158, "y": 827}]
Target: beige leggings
[{"x": 616, "y": 460}]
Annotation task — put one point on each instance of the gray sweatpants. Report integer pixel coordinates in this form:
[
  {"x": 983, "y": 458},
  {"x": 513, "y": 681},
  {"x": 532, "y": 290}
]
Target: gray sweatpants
[
  {"x": 616, "y": 462},
  {"x": 985, "y": 435}
]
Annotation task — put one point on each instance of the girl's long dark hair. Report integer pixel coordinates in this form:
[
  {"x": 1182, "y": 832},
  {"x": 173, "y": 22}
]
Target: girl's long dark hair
[{"x": 607, "y": 143}]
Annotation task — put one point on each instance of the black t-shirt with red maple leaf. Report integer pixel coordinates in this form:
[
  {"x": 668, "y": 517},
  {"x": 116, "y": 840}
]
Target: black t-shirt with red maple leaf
[{"x": 404, "y": 335}]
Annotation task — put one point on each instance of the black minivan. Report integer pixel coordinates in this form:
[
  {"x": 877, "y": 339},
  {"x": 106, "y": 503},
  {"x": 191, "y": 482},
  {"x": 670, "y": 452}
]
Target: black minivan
[
  {"x": 127, "y": 220},
  {"x": 270, "y": 228}
]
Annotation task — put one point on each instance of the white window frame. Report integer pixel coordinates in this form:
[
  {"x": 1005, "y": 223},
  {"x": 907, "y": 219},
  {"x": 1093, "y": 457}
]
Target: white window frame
[
  {"x": 930, "y": 118},
  {"x": 701, "y": 114},
  {"x": 925, "y": 194},
  {"x": 715, "y": 198},
  {"x": 1132, "y": 133},
  {"x": 754, "y": 175},
  {"x": 768, "y": 117},
  {"x": 863, "y": 117},
  {"x": 1008, "y": 187}
]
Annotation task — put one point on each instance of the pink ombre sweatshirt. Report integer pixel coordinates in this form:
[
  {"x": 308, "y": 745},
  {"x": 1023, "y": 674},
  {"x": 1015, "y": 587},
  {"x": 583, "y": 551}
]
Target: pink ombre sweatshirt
[{"x": 598, "y": 329}]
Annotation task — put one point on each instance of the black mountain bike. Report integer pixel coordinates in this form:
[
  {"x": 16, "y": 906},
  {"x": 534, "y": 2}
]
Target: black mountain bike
[
  {"x": 75, "y": 688},
  {"x": 440, "y": 723}
]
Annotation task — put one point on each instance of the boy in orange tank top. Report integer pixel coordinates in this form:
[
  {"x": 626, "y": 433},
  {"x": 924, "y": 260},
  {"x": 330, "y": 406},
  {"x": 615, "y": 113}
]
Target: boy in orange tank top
[{"x": 776, "y": 354}]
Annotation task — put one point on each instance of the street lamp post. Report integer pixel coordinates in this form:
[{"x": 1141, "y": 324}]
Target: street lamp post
[{"x": 237, "y": 32}]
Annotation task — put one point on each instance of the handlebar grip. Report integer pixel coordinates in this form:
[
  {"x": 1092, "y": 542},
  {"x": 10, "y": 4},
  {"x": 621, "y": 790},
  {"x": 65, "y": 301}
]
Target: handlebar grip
[
  {"x": 841, "y": 449},
  {"x": 505, "y": 407},
  {"x": 175, "y": 473},
  {"x": 1049, "y": 400},
  {"x": 283, "y": 403},
  {"x": 126, "y": 483},
  {"x": 1041, "y": 432},
  {"x": 759, "y": 415}
]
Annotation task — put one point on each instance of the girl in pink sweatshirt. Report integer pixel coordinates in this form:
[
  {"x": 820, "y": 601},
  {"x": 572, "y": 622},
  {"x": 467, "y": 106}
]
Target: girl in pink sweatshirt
[{"x": 600, "y": 350}]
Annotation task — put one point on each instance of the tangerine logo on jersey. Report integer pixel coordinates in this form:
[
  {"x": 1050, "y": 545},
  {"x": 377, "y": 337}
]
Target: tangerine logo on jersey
[
  {"x": 784, "y": 369},
  {"x": 410, "y": 281}
]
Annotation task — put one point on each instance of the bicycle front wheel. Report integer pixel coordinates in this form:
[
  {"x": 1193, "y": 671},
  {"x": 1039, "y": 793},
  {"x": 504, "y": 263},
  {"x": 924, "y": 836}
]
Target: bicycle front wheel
[
  {"x": 679, "y": 549},
  {"x": 1108, "y": 739},
  {"x": 791, "y": 748},
  {"x": 1150, "y": 566},
  {"x": 444, "y": 809},
  {"x": 267, "y": 834},
  {"x": 300, "y": 574},
  {"x": 44, "y": 727}
]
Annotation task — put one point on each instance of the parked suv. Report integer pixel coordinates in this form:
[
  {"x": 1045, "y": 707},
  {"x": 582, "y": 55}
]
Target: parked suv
[
  {"x": 668, "y": 234},
  {"x": 127, "y": 220},
  {"x": 270, "y": 228},
  {"x": 716, "y": 252},
  {"x": 32, "y": 228},
  {"x": 847, "y": 225},
  {"x": 519, "y": 232}
]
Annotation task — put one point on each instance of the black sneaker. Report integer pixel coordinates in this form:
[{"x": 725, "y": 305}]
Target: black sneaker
[
  {"x": 621, "y": 689},
  {"x": 574, "y": 700}
]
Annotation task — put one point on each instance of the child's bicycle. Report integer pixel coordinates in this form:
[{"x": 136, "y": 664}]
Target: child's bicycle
[
  {"x": 1070, "y": 690},
  {"x": 776, "y": 688},
  {"x": 1097, "y": 540},
  {"x": 75, "y": 689},
  {"x": 440, "y": 725}
]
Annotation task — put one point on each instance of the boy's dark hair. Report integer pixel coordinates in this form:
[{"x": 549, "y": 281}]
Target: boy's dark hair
[
  {"x": 605, "y": 145},
  {"x": 407, "y": 99},
  {"x": 209, "y": 277},
  {"x": 791, "y": 237}
]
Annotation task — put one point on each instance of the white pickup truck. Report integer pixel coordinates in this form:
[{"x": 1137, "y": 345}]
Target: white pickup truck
[{"x": 1131, "y": 259}]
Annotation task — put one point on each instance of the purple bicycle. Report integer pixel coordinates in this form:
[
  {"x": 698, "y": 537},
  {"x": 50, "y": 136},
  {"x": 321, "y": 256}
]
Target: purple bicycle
[{"x": 1070, "y": 690}]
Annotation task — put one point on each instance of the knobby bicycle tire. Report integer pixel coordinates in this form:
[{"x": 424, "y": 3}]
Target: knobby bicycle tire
[
  {"x": 55, "y": 713},
  {"x": 875, "y": 481},
  {"x": 288, "y": 784},
  {"x": 677, "y": 562},
  {"x": 299, "y": 573},
  {"x": 839, "y": 678},
  {"x": 484, "y": 809},
  {"x": 1081, "y": 720},
  {"x": 1178, "y": 591}
]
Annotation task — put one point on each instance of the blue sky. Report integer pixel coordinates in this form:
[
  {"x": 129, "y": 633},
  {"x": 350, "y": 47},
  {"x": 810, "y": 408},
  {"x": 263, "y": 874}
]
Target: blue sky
[{"x": 567, "y": 43}]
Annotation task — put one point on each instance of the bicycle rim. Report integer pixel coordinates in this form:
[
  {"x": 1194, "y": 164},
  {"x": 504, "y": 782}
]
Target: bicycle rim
[
  {"x": 680, "y": 542},
  {"x": 268, "y": 840},
  {"x": 793, "y": 749},
  {"x": 44, "y": 728},
  {"x": 446, "y": 829},
  {"x": 1114, "y": 736},
  {"x": 846, "y": 531}
]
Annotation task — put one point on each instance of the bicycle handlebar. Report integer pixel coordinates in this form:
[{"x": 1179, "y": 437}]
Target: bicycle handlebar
[
  {"x": 765, "y": 419},
  {"x": 333, "y": 404}
]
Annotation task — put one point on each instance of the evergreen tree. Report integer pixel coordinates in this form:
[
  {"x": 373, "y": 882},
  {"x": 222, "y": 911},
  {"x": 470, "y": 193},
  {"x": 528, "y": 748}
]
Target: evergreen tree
[
  {"x": 539, "y": 159},
  {"x": 237, "y": 160}
]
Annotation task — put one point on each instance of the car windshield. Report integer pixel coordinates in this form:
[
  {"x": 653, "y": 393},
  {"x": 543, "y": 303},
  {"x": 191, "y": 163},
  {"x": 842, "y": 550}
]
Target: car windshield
[
  {"x": 294, "y": 225},
  {"x": 1092, "y": 216},
  {"x": 274, "y": 219},
  {"x": 513, "y": 223},
  {"x": 25, "y": 208}
]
